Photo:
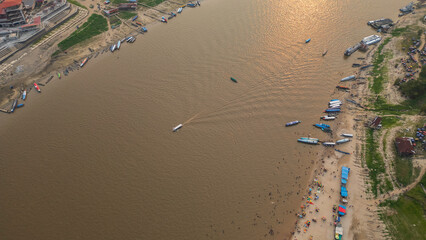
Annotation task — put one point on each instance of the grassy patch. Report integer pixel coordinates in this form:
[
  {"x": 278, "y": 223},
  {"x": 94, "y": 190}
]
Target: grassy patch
[
  {"x": 404, "y": 170},
  {"x": 398, "y": 31},
  {"x": 389, "y": 121},
  {"x": 114, "y": 21},
  {"x": 151, "y": 3},
  {"x": 379, "y": 72},
  {"x": 127, "y": 15},
  {"x": 96, "y": 24},
  {"x": 374, "y": 161},
  {"x": 75, "y": 2},
  {"x": 410, "y": 107},
  {"x": 405, "y": 217}
]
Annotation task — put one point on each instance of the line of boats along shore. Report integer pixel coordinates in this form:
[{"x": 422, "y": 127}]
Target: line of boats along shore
[{"x": 334, "y": 107}]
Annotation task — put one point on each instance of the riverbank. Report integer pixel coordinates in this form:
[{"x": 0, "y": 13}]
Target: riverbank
[
  {"x": 363, "y": 219},
  {"x": 52, "y": 62}
]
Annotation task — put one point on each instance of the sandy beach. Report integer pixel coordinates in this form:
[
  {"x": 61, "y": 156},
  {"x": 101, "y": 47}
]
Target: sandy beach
[{"x": 361, "y": 220}]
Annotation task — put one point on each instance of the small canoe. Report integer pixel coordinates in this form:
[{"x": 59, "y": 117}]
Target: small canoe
[
  {"x": 324, "y": 53},
  {"x": 307, "y": 40},
  {"x": 234, "y": 80},
  {"x": 12, "y": 109},
  {"x": 342, "y": 87},
  {"x": 340, "y": 151},
  {"x": 118, "y": 44},
  {"x": 144, "y": 29},
  {"x": 177, "y": 127},
  {"x": 24, "y": 95},
  {"x": 322, "y": 125},
  {"x": 351, "y": 77},
  {"x": 37, "y": 87},
  {"x": 180, "y": 10},
  {"x": 347, "y": 135},
  {"x": 292, "y": 123},
  {"x": 59, "y": 75},
  {"x": 344, "y": 140},
  {"x": 134, "y": 18},
  {"x": 19, "y": 105}
]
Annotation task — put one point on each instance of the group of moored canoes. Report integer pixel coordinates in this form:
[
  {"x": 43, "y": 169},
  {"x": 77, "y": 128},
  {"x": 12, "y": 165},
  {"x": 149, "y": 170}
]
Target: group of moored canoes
[{"x": 333, "y": 108}]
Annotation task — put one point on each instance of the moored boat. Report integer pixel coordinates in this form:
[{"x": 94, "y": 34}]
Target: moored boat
[
  {"x": 348, "y": 78},
  {"x": 118, "y": 45},
  {"x": 19, "y": 105},
  {"x": 134, "y": 18},
  {"x": 353, "y": 49},
  {"x": 24, "y": 95},
  {"x": 179, "y": 10},
  {"x": 144, "y": 29},
  {"x": 332, "y": 110},
  {"x": 322, "y": 125},
  {"x": 83, "y": 62},
  {"x": 292, "y": 123},
  {"x": 37, "y": 87},
  {"x": 177, "y": 127},
  {"x": 308, "y": 140},
  {"x": 324, "y": 53},
  {"x": 234, "y": 80},
  {"x": 328, "y": 118},
  {"x": 344, "y": 140},
  {"x": 347, "y": 135},
  {"x": 372, "y": 39},
  {"x": 12, "y": 109},
  {"x": 342, "y": 87},
  {"x": 112, "y": 48},
  {"x": 329, "y": 144}
]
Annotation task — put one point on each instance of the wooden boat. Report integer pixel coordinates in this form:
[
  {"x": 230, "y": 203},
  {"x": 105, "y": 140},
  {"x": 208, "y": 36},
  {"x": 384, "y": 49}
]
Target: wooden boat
[
  {"x": 12, "y": 109},
  {"x": 329, "y": 144},
  {"x": 234, "y": 80},
  {"x": 351, "y": 77},
  {"x": 24, "y": 95},
  {"x": 342, "y": 87},
  {"x": 172, "y": 15},
  {"x": 37, "y": 87},
  {"x": 332, "y": 110},
  {"x": 83, "y": 62},
  {"x": 292, "y": 123},
  {"x": 144, "y": 29},
  {"x": 177, "y": 127},
  {"x": 308, "y": 140},
  {"x": 113, "y": 48},
  {"x": 347, "y": 135},
  {"x": 328, "y": 118},
  {"x": 344, "y": 140},
  {"x": 324, "y": 53},
  {"x": 59, "y": 75},
  {"x": 134, "y": 18}
]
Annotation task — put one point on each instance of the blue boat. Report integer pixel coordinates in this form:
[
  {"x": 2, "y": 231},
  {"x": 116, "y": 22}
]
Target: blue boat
[
  {"x": 292, "y": 123},
  {"x": 144, "y": 29},
  {"x": 308, "y": 40},
  {"x": 193, "y": 5},
  {"x": 322, "y": 125},
  {"x": 332, "y": 110},
  {"x": 134, "y": 18},
  {"x": 19, "y": 105},
  {"x": 308, "y": 140}
]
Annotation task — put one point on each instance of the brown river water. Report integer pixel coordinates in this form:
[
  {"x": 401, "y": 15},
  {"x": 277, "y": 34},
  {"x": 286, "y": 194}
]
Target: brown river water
[{"x": 93, "y": 156}]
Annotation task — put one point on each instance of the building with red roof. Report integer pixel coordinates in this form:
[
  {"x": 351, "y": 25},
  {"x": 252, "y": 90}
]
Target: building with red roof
[
  {"x": 404, "y": 146},
  {"x": 11, "y": 14}
]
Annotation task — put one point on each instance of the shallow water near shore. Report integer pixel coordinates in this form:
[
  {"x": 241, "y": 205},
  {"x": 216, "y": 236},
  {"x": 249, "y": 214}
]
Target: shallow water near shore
[{"x": 94, "y": 157}]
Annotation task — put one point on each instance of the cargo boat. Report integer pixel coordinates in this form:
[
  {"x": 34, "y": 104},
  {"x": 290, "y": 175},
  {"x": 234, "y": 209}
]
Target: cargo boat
[
  {"x": 372, "y": 39},
  {"x": 353, "y": 49}
]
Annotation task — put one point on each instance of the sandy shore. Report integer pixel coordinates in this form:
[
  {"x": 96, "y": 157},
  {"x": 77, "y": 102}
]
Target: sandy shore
[{"x": 361, "y": 220}]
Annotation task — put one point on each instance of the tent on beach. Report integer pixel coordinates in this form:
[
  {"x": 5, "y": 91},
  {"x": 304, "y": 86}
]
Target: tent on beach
[
  {"x": 341, "y": 210},
  {"x": 343, "y": 192},
  {"x": 345, "y": 175}
]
